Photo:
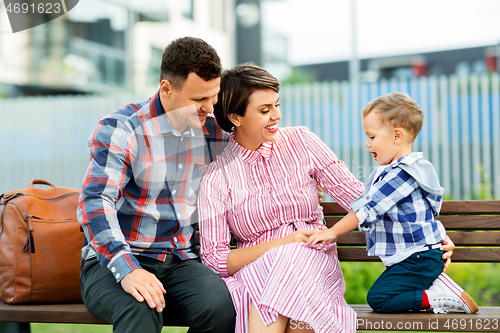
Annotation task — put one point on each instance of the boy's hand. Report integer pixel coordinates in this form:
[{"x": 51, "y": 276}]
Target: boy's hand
[
  {"x": 448, "y": 246},
  {"x": 325, "y": 236},
  {"x": 298, "y": 236}
]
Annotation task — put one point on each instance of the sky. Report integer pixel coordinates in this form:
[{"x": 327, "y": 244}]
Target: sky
[{"x": 320, "y": 30}]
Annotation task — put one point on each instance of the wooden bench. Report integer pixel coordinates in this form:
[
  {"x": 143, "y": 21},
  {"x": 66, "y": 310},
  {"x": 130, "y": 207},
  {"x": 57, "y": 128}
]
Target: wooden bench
[{"x": 474, "y": 227}]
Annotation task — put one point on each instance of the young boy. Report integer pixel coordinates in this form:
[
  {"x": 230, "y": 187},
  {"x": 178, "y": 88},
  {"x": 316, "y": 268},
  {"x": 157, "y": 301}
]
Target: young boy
[{"x": 396, "y": 211}]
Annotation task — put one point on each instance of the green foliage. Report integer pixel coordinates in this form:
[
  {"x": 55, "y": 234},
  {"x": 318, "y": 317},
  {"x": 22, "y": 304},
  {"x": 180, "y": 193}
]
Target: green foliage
[
  {"x": 298, "y": 75},
  {"x": 77, "y": 328},
  {"x": 359, "y": 277},
  {"x": 479, "y": 280},
  {"x": 485, "y": 190}
]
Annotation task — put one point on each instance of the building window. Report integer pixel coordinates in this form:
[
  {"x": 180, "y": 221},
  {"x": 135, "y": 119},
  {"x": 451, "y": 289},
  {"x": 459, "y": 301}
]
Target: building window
[{"x": 187, "y": 8}]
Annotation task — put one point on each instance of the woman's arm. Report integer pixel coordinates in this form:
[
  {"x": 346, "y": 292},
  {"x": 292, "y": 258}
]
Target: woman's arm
[
  {"x": 238, "y": 258},
  {"x": 329, "y": 172}
]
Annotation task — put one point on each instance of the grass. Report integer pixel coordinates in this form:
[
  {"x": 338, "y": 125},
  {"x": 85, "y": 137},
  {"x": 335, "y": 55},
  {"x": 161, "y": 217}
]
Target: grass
[{"x": 77, "y": 328}]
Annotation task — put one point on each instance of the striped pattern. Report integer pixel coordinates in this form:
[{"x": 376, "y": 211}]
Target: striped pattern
[
  {"x": 140, "y": 190},
  {"x": 267, "y": 194}
]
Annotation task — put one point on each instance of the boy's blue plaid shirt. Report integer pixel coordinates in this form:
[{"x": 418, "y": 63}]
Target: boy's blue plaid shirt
[
  {"x": 140, "y": 191},
  {"x": 397, "y": 210}
]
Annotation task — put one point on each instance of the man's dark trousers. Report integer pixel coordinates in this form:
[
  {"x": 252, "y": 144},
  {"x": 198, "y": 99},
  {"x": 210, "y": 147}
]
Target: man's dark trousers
[{"x": 195, "y": 295}]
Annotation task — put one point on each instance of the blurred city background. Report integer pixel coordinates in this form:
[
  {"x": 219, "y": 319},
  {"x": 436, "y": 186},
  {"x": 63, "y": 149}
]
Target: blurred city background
[{"x": 59, "y": 78}]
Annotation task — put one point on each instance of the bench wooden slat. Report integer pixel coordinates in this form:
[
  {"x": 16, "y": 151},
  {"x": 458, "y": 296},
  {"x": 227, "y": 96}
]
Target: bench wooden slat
[
  {"x": 469, "y": 207},
  {"x": 59, "y": 313},
  {"x": 367, "y": 319},
  {"x": 452, "y": 222},
  {"x": 475, "y": 255},
  {"x": 470, "y": 222},
  {"x": 475, "y": 238},
  {"x": 49, "y": 313},
  {"x": 459, "y": 238},
  {"x": 483, "y": 321}
]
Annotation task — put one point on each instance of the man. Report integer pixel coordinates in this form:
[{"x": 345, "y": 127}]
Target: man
[{"x": 138, "y": 203}]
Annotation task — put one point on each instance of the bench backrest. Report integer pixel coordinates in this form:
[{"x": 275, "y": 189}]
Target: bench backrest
[{"x": 474, "y": 227}]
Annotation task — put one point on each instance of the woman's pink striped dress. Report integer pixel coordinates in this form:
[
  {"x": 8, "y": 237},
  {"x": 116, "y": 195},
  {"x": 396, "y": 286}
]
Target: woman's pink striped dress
[{"x": 267, "y": 194}]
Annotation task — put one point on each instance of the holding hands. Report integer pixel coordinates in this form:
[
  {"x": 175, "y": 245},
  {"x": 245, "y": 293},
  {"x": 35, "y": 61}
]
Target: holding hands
[{"x": 326, "y": 237}]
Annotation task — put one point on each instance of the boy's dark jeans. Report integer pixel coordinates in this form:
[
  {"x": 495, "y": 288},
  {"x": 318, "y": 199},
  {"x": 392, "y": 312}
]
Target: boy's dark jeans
[
  {"x": 195, "y": 294},
  {"x": 400, "y": 288}
]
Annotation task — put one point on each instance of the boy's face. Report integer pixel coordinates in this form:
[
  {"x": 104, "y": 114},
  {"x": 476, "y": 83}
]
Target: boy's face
[{"x": 383, "y": 141}]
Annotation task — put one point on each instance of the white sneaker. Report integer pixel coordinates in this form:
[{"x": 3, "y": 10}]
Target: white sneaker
[{"x": 444, "y": 295}]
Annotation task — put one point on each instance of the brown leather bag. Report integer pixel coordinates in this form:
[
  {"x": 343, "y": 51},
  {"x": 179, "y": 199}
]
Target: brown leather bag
[{"x": 40, "y": 243}]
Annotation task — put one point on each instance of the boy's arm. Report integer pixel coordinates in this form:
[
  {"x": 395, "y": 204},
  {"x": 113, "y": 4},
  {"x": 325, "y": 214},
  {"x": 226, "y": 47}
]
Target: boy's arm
[
  {"x": 383, "y": 195},
  {"x": 346, "y": 224}
]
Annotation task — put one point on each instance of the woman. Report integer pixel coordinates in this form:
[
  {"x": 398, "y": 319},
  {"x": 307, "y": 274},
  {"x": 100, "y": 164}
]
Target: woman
[{"x": 262, "y": 188}]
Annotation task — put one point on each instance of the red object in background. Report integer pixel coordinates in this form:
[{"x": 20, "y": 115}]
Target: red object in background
[
  {"x": 419, "y": 67},
  {"x": 490, "y": 60}
]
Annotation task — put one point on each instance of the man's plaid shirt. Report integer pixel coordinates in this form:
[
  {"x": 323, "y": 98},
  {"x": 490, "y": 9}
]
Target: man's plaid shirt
[
  {"x": 140, "y": 190},
  {"x": 397, "y": 209}
]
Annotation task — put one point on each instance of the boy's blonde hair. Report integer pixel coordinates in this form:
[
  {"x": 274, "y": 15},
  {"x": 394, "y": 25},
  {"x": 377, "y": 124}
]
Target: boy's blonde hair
[{"x": 397, "y": 110}]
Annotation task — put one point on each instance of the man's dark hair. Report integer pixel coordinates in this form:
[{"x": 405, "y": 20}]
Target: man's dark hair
[{"x": 189, "y": 55}]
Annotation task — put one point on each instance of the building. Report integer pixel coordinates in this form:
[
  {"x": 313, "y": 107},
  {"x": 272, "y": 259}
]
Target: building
[
  {"x": 458, "y": 61},
  {"x": 211, "y": 20},
  {"x": 107, "y": 45}
]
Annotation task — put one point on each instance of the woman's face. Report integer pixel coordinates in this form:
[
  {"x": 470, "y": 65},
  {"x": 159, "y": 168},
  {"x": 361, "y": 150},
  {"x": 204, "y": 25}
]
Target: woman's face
[{"x": 260, "y": 122}]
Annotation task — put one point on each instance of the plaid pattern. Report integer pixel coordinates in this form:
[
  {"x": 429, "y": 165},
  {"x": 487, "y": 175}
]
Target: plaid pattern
[
  {"x": 140, "y": 190},
  {"x": 397, "y": 211}
]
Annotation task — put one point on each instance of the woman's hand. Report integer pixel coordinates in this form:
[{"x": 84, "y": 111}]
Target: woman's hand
[
  {"x": 299, "y": 236},
  {"x": 448, "y": 246},
  {"x": 238, "y": 258},
  {"x": 326, "y": 237}
]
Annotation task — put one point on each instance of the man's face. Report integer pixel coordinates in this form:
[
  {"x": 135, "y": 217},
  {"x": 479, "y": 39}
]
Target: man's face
[{"x": 189, "y": 106}]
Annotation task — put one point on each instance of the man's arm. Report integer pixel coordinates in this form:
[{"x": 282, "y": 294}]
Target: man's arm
[{"x": 111, "y": 150}]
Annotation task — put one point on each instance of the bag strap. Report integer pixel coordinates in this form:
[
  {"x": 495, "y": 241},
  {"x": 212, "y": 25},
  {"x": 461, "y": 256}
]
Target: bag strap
[
  {"x": 39, "y": 182},
  {"x": 6, "y": 199}
]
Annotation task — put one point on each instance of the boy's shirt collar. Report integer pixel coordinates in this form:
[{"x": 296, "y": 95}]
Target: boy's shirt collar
[{"x": 407, "y": 159}]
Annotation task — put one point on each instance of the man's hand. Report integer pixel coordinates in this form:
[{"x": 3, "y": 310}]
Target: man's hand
[
  {"x": 448, "y": 246},
  {"x": 145, "y": 286}
]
